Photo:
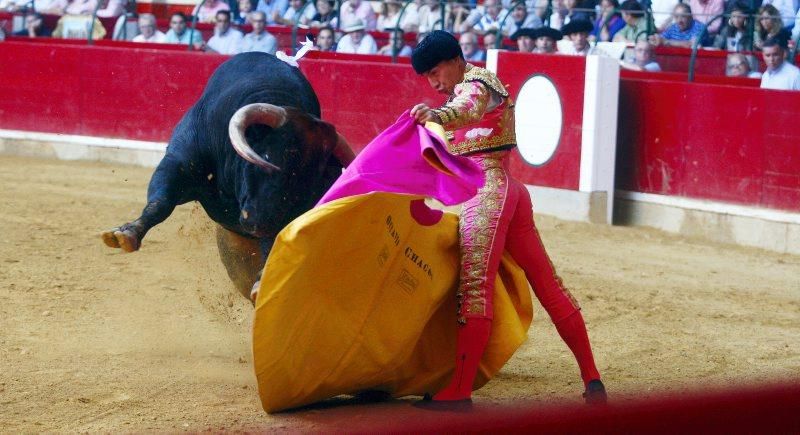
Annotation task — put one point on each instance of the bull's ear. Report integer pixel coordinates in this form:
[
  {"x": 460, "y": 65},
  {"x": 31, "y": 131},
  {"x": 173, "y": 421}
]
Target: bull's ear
[{"x": 325, "y": 141}]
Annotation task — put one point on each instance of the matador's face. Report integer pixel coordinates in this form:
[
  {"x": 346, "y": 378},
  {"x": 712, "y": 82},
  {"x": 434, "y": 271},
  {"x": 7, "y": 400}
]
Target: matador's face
[{"x": 446, "y": 75}]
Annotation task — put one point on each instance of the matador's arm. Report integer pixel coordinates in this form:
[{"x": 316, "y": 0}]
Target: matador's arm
[{"x": 467, "y": 106}]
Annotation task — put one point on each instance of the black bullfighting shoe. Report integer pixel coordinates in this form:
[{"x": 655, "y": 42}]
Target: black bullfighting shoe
[{"x": 595, "y": 393}]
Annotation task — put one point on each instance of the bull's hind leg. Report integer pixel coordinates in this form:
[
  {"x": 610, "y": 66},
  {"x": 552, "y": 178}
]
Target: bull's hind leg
[
  {"x": 163, "y": 194},
  {"x": 242, "y": 257}
]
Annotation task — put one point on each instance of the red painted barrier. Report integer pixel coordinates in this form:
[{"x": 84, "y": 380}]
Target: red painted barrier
[
  {"x": 718, "y": 142},
  {"x": 705, "y": 141},
  {"x": 363, "y": 98},
  {"x": 567, "y": 74},
  {"x": 131, "y": 93}
]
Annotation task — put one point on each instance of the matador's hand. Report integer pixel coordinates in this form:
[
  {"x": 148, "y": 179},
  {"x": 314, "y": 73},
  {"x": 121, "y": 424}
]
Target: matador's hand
[{"x": 422, "y": 114}]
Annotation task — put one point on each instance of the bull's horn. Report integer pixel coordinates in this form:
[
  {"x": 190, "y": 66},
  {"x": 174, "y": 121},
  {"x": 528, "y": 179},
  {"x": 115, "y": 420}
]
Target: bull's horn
[
  {"x": 342, "y": 151},
  {"x": 257, "y": 113}
]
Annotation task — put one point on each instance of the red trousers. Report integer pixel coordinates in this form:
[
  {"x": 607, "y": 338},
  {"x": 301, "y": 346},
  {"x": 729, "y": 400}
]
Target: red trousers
[{"x": 499, "y": 218}]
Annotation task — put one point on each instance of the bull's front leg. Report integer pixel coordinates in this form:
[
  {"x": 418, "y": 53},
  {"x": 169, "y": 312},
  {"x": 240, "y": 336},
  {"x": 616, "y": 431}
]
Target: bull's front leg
[
  {"x": 163, "y": 194},
  {"x": 266, "y": 246}
]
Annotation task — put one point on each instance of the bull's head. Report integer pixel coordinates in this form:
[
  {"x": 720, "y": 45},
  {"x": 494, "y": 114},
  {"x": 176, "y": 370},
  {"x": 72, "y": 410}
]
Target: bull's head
[{"x": 289, "y": 152}]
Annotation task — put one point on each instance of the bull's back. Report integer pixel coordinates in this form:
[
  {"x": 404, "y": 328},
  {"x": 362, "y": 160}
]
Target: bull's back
[{"x": 260, "y": 77}]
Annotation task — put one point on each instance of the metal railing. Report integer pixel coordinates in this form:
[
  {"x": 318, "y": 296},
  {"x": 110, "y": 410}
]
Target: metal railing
[
  {"x": 193, "y": 27},
  {"x": 697, "y": 42},
  {"x": 793, "y": 51},
  {"x": 297, "y": 16},
  {"x": 499, "y": 42},
  {"x": 90, "y": 37},
  {"x": 397, "y": 29}
]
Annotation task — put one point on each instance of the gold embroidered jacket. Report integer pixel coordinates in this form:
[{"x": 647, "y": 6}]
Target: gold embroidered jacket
[{"x": 479, "y": 115}]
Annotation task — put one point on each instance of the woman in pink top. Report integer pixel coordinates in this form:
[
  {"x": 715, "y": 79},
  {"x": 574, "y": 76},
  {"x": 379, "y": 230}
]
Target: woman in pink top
[{"x": 208, "y": 11}]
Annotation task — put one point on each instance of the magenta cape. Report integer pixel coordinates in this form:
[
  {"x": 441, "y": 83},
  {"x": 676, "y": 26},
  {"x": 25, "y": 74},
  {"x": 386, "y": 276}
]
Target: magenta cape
[{"x": 408, "y": 158}]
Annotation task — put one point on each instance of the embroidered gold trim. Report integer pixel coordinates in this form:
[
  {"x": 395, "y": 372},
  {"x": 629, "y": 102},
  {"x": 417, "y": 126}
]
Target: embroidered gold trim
[
  {"x": 478, "y": 226},
  {"x": 488, "y": 78},
  {"x": 484, "y": 143}
]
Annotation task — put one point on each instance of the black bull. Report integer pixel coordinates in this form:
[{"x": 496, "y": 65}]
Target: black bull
[{"x": 253, "y": 151}]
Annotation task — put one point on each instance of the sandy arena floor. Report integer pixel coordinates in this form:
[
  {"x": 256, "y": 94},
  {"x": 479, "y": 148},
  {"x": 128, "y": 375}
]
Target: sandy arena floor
[{"x": 95, "y": 340}]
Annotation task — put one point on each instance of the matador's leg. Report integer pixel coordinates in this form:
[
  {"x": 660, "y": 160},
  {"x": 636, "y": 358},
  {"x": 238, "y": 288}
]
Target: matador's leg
[
  {"x": 482, "y": 227},
  {"x": 525, "y": 245}
]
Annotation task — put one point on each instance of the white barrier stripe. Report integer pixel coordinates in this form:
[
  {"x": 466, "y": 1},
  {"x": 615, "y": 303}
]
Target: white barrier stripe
[
  {"x": 83, "y": 140},
  {"x": 711, "y": 206}
]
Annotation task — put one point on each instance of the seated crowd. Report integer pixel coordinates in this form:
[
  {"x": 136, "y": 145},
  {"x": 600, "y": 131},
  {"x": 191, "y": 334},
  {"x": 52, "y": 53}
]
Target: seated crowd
[{"x": 533, "y": 26}]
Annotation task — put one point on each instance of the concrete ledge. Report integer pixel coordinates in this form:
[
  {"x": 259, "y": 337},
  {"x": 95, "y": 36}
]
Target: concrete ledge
[
  {"x": 726, "y": 223},
  {"x": 570, "y": 205},
  {"x": 749, "y": 226},
  {"x": 69, "y": 147}
]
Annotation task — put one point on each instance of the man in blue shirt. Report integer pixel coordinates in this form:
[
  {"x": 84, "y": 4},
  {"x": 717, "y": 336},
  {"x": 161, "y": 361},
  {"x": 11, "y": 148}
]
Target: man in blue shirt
[
  {"x": 273, "y": 9},
  {"x": 179, "y": 34},
  {"x": 684, "y": 30}
]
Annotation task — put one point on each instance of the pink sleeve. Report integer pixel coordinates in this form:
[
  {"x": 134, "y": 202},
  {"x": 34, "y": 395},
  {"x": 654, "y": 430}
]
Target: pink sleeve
[{"x": 467, "y": 106}]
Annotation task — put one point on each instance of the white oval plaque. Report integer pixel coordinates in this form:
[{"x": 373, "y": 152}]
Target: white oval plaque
[{"x": 539, "y": 119}]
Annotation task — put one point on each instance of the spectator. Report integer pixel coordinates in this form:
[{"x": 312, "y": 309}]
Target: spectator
[
  {"x": 243, "y": 14},
  {"x": 325, "y": 39},
  {"x": 662, "y": 13},
  {"x": 462, "y": 17},
  {"x": 112, "y": 9},
  {"x": 735, "y": 36},
  {"x": 796, "y": 28},
  {"x": 77, "y": 27},
  {"x": 489, "y": 40},
  {"x": 225, "y": 40},
  {"x": 396, "y": 40},
  {"x": 520, "y": 18},
  {"x": 577, "y": 31},
  {"x": 259, "y": 39},
  {"x": 704, "y": 10},
  {"x": 738, "y": 65},
  {"x": 469, "y": 46},
  {"x": 635, "y": 22},
  {"x": 356, "y": 40},
  {"x": 526, "y": 40},
  {"x": 430, "y": 16},
  {"x": 358, "y": 10},
  {"x": 684, "y": 30},
  {"x": 80, "y": 7},
  {"x": 13, "y": 6},
  {"x": 786, "y": 10},
  {"x": 70, "y": 7},
  {"x": 208, "y": 12},
  {"x": 325, "y": 16},
  {"x": 643, "y": 58},
  {"x": 390, "y": 13},
  {"x": 570, "y": 10},
  {"x": 34, "y": 27},
  {"x": 769, "y": 25},
  {"x": 491, "y": 18},
  {"x": 148, "y": 30},
  {"x": 608, "y": 22},
  {"x": 271, "y": 7},
  {"x": 780, "y": 74},
  {"x": 178, "y": 33},
  {"x": 546, "y": 38},
  {"x": 290, "y": 16},
  {"x": 49, "y": 7}
]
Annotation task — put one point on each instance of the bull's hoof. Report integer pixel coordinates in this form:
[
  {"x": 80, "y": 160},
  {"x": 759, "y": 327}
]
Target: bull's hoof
[
  {"x": 125, "y": 240},
  {"x": 254, "y": 292}
]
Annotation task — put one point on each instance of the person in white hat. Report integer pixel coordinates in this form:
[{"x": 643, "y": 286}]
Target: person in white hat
[{"x": 356, "y": 40}]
